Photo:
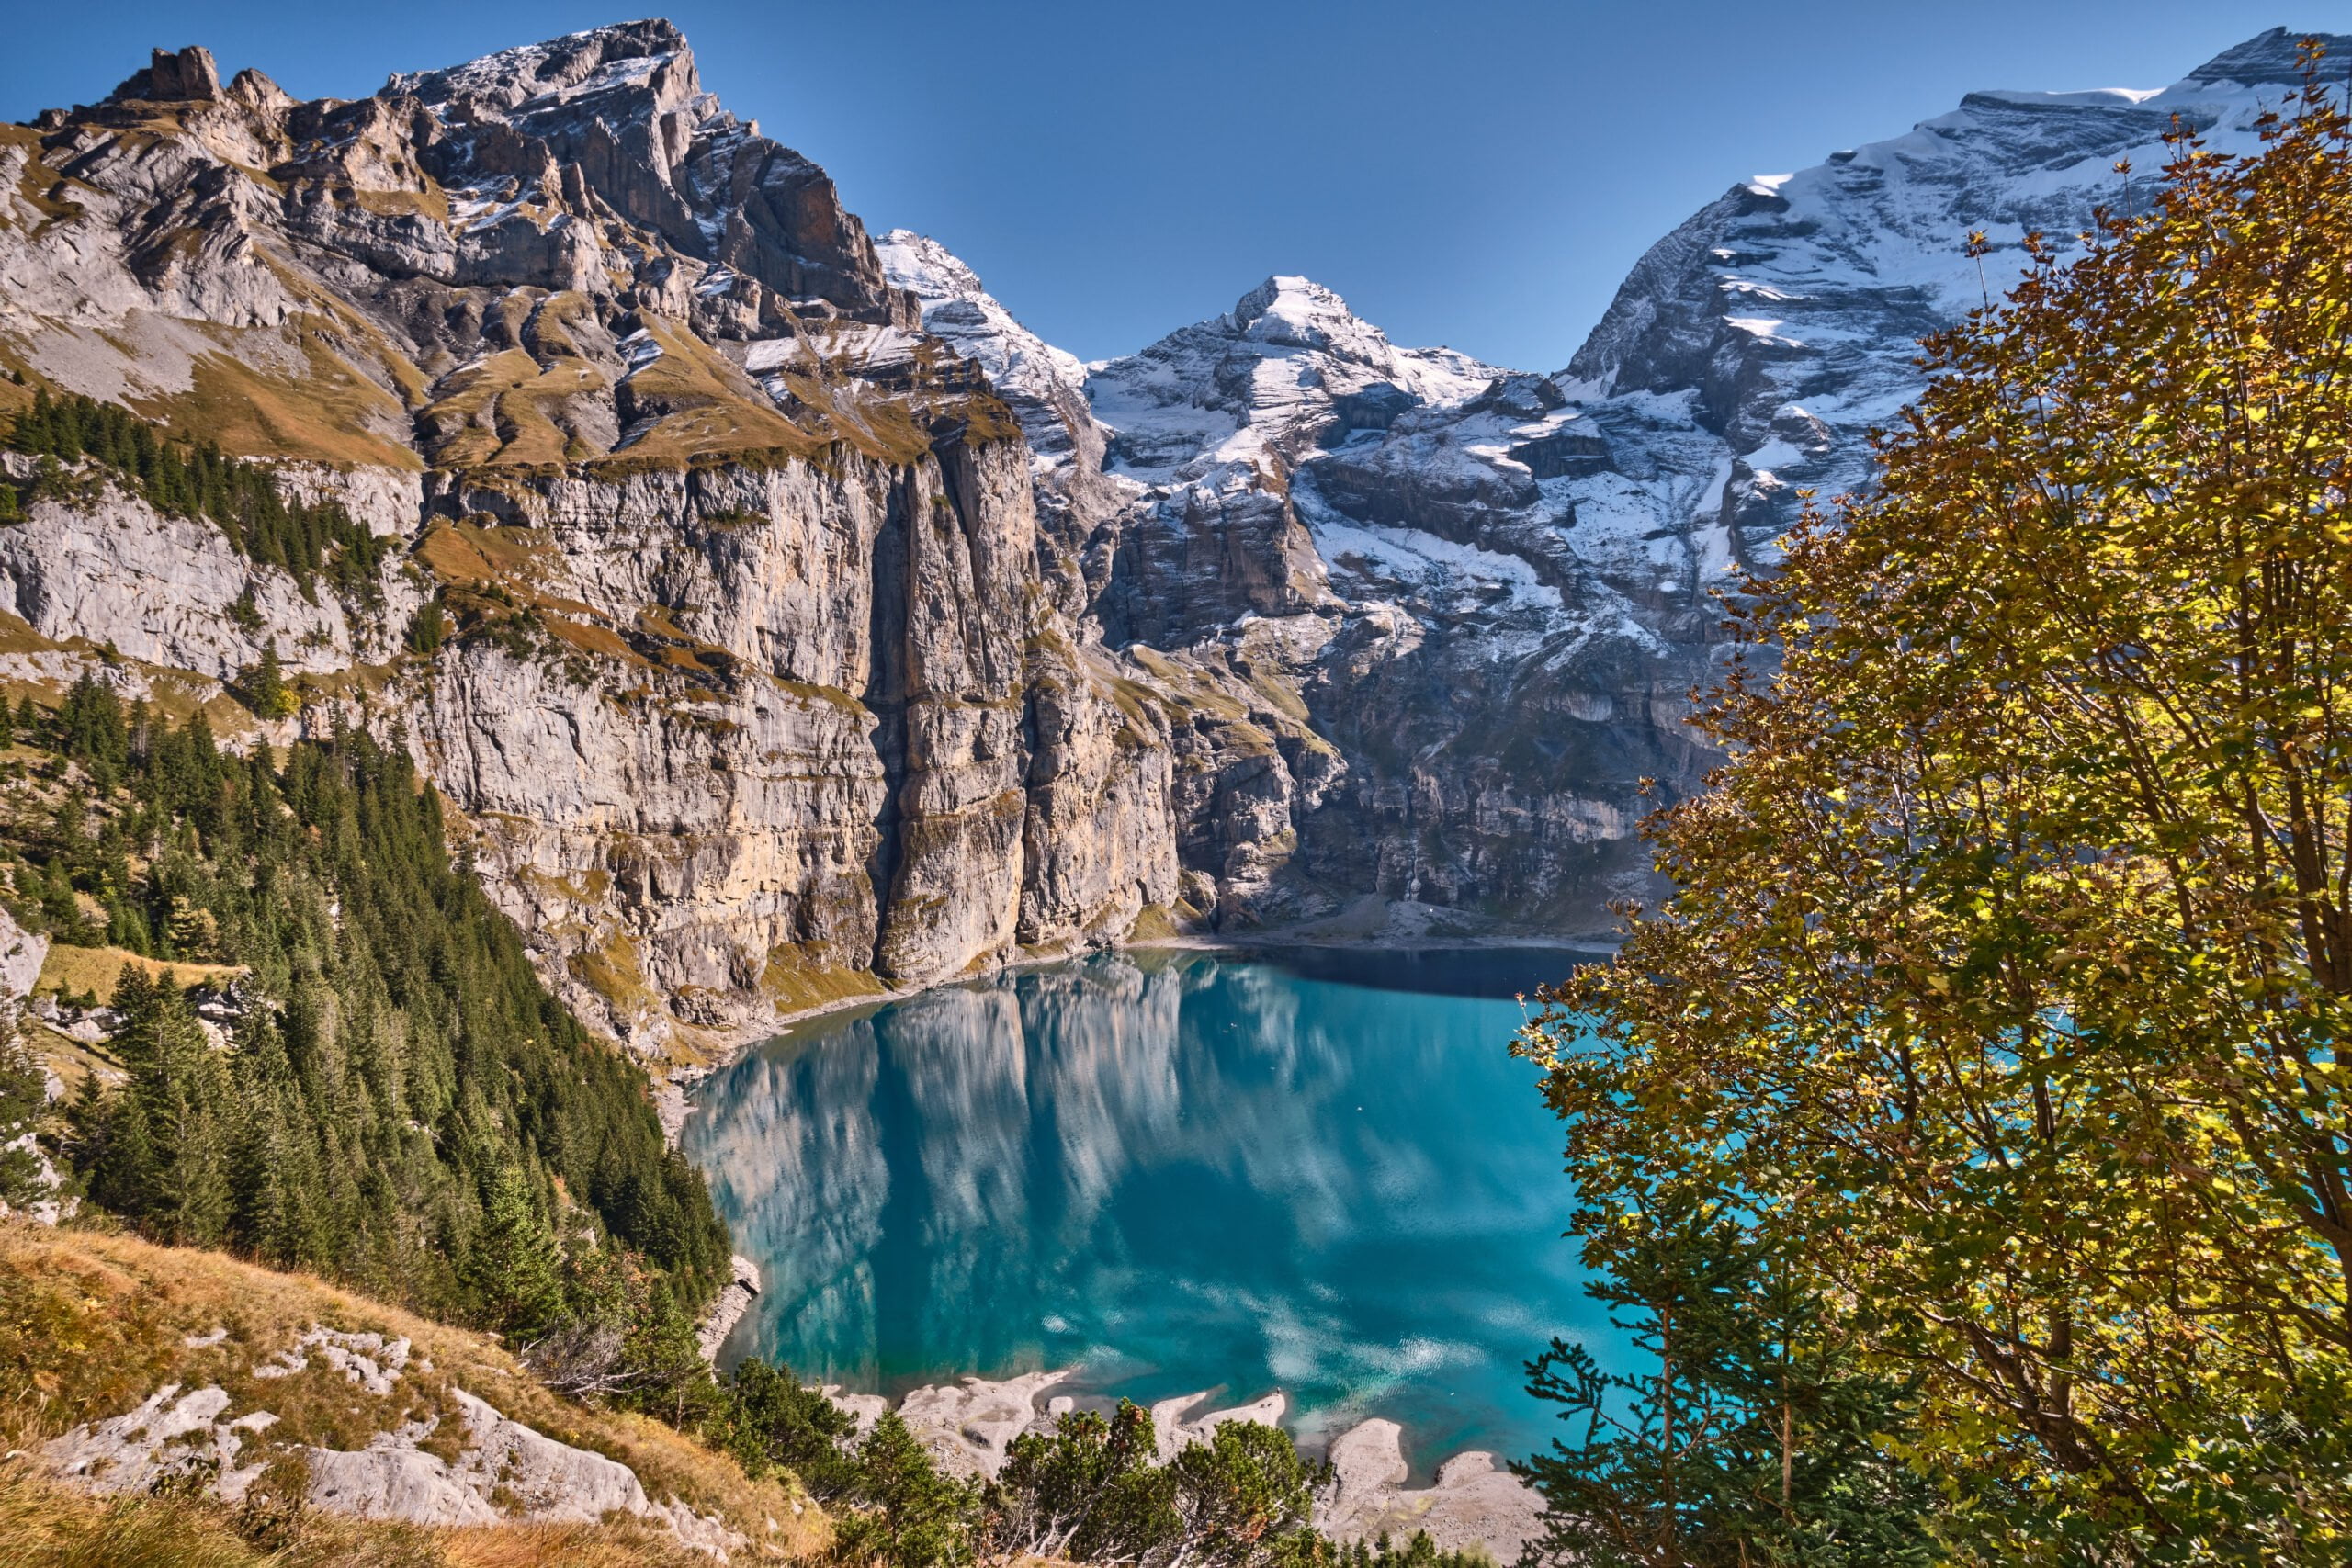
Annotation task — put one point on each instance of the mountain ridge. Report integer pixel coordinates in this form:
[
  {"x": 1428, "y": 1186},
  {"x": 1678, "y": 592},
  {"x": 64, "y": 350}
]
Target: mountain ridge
[{"x": 789, "y": 624}]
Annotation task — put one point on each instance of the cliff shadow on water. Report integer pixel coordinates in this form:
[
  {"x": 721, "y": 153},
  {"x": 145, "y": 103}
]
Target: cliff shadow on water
[{"x": 1176, "y": 1171}]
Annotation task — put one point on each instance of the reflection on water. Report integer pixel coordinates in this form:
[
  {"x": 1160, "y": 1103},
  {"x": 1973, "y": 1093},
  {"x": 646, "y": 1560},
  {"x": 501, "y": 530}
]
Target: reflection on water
[{"x": 1182, "y": 1172}]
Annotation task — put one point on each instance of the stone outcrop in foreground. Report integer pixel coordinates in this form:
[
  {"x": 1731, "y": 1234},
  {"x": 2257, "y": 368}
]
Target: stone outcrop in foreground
[{"x": 183, "y": 1370}]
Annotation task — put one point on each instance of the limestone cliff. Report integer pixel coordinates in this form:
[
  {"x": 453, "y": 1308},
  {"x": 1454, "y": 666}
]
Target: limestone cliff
[{"x": 718, "y": 609}]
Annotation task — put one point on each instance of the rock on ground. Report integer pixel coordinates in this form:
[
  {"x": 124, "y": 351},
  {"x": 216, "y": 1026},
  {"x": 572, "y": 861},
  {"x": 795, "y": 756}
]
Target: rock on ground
[
  {"x": 1473, "y": 1503},
  {"x": 735, "y": 1299},
  {"x": 505, "y": 1472}
]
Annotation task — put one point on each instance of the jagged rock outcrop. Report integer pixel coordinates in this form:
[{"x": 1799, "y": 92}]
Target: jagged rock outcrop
[
  {"x": 501, "y": 1469},
  {"x": 1473, "y": 1502},
  {"x": 270, "y": 1390},
  {"x": 787, "y": 623},
  {"x": 22, "y": 952}
]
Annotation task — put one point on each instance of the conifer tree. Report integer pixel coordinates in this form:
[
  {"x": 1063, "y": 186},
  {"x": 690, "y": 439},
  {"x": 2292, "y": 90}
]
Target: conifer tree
[
  {"x": 911, "y": 1517},
  {"x": 511, "y": 1270},
  {"x": 266, "y": 688},
  {"x": 180, "y": 1098},
  {"x": 774, "y": 1422},
  {"x": 398, "y": 1068}
]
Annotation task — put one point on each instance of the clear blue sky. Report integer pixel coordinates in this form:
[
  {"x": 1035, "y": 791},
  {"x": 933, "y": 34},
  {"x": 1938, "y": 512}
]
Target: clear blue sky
[{"x": 1478, "y": 172}]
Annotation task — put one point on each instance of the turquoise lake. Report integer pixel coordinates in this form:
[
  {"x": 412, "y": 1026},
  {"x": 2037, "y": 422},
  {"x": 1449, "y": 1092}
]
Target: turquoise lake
[{"x": 1318, "y": 1171}]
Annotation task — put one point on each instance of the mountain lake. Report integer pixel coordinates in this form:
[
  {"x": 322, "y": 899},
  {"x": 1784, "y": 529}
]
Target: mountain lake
[{"x": 1312, "y": 1171}]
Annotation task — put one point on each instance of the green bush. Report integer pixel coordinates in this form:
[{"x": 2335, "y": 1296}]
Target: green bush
[
  {"x": 775, "y": 1423},
  {"x": 904, "y": 1513}
]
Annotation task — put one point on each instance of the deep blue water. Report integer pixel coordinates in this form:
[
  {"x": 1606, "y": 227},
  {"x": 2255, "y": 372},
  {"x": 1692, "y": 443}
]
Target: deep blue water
[{"x": 1316, "y": 1171}]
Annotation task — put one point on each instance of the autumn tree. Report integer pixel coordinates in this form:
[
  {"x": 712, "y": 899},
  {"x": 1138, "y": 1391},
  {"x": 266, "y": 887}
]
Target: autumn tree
[{"x": 2012, "y": 950}]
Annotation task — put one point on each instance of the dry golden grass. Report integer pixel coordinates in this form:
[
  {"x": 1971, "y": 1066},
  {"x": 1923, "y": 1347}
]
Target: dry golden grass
[
  {"x": 470, "y": 556},
  {"x": 37, "y": 183},
  {"x": 793, "y": 983},
  {"x": 68, "y": 1058},
  {"x": 92, "y": 1323},
  {"x": 611, "y": 970},
  {"x": 494, "y": 414},
  {"x": 1153, "y": 923},
  {"x": 589, "y": 637},
  {"x": 43, "y": 1524},
  {"x": 518, "y": 562},
  {"x": 708, "y": 409},
  {"x": 327, "y": 412},
  {"x": 381, "y": 350},
  {"x": 431, "y": 202},
  {"x": 77, "y": 971}
]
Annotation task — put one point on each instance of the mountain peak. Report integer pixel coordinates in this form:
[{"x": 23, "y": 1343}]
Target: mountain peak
[
  {"x": 625, "y": 54},
  {"x": 173, "y": 77},
  {"x": 2271, "y": 59},
  {"x": 1297, "y": 311},
  {"x": 933, "y": 272}
]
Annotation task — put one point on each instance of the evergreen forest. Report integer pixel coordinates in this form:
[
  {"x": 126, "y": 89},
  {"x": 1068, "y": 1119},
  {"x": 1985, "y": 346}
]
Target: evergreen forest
[{"x": 313, "y": 542}]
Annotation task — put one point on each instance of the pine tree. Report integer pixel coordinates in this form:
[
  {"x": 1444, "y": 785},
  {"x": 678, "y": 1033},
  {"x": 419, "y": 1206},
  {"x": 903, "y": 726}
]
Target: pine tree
[
  {"x": 1755, "y": 1440},
  {"x": 427, "y": 628},
  {"x": 668, "y": 1375},
  {"x": 774, "y": 1422},
  {"x": 913, "y": 1515},
  {"x": 399, "y": 1069},
  {"x": 266, "y": 688},
  {"x": 180, "y": 1094},
  {"x": 511, "y": 1270}
]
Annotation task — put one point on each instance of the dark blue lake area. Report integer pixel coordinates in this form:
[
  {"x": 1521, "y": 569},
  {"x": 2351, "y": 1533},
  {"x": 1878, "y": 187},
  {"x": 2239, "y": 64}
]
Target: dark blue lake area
[{"x": 1314, "y": 1170}]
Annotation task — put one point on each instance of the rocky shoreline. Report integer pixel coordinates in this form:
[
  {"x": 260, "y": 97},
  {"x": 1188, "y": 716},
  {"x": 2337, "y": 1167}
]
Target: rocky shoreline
[{"x": 1473, "y": 1503}]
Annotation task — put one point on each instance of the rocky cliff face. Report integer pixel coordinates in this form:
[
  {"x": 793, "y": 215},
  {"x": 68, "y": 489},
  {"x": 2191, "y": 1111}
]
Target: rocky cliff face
[
  {"x": 749, "y": 687},
  {"x": 1493, "y": 588},
  {"x": 788, "y": 622}
]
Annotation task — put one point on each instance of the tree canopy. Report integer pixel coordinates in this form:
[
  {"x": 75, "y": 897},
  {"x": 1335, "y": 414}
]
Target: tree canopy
[
  {"x": 2000, "y": 998},
  {"x": 402, "y": 1104}
]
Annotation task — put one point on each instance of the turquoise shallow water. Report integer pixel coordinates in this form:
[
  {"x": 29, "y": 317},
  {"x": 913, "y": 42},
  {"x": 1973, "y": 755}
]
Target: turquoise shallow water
[{"x": 1180, "y": 1171}]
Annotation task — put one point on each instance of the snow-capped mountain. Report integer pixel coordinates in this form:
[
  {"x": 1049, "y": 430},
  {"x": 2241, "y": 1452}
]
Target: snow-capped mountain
[
  {"x": 1260, "y": 384},
  {"x": 1496, "y": 584},
  {"x": 1044, "y": 386}
]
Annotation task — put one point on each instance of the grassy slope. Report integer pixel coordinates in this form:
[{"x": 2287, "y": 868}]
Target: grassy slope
[{"x": 92, "y": 1323}]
